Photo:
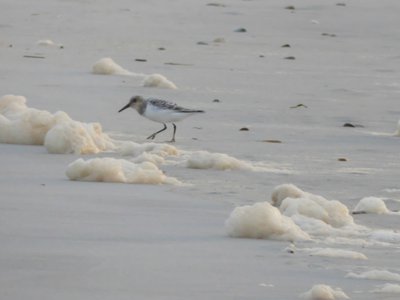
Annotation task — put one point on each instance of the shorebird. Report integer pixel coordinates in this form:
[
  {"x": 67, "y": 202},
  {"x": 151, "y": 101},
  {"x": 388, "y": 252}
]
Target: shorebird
[{"x": 160, "y": 111}]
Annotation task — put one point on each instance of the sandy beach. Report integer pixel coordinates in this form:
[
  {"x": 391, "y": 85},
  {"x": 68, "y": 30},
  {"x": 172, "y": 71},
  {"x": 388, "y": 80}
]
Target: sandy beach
[{"x": 285, "y": 188}]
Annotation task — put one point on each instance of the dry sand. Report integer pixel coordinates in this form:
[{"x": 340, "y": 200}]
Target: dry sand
[{"x": 65, "y": 239}]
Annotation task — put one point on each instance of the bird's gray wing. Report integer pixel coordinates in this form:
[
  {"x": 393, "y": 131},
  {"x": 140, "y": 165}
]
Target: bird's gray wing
[{"x": 162, "y": 104}]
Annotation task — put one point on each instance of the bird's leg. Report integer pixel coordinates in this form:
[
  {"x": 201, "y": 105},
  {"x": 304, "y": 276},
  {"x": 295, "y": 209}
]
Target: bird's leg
[
  {"x": 173, "y": 136},
  {"x": 152, "y": 136}
]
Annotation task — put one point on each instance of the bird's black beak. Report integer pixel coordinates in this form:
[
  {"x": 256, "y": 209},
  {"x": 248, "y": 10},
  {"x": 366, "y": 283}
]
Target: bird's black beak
[{"x": 125, "y": 107}]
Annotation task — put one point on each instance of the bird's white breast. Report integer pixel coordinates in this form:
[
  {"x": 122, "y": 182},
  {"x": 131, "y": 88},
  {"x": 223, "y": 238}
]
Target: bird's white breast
[{"x": 163, "y": 115}]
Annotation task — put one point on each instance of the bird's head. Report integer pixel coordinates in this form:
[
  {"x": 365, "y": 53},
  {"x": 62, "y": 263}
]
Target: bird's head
[{"x": 135, "y": 102}]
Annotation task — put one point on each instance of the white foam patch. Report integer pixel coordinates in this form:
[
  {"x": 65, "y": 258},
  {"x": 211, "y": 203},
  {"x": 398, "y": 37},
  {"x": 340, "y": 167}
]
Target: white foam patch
[
  {"x": 158, "y": 80},
  {"x": 376, "y": 275},
  {"x": 293, "y": 201},
  {"x": 20, "y": 124},
  {"x": 335, "y": 253},
  {"x": 218, "y": 161},
  {"x": 371, "y": 205},
  {"x": 387, "y": 236},
  {"x": 135, "y": 149},
  {"x": 324, "y": 292},
  {"x": 152, "y": 152},
  {"x": 284, "y": 191},
  {"x": 107, "y": 66},
  {"x": 328, "y": 233},
  {"x": 69, "y": 136},
  {"x": 117, "y": 170},
  {"x": 222, "y": 161},
  {"x": 262, "y": 221},
  {"x": 388, "y": 288}
]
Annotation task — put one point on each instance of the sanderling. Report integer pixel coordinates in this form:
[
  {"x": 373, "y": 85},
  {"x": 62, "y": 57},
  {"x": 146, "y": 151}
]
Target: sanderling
[{"x": 160, "y": 111}]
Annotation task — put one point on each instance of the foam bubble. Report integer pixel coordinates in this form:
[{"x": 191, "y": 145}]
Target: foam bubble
[
  {"x": 218, "y": 161},
  {"x": 131, "y": 148},
  {"x": 158, "y": 80},
  {"x": 152, "y": 152},
  {"x": 69, "y": 136},
  {"x": 262, "y": 221},
  {"x": 371, "y": 205},
  {"x": 107, "y": 66},
  {"x": 291, "y": 201},
  {"x": 376, "y": 275},
  {"x": 117, "y": 170},
  {"x": 388, "y": 288},
  {"x": 283, "y": 191},
  {"x": 20, "y": 124},
  {"x": 324, "y": 292}
]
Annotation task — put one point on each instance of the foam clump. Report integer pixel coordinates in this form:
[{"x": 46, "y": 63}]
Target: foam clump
[
  {"x": 389, "y": 288},
  {"x": 376, "y": 275},
  {"x": 107, "y": 66},
  {"x": 117, "y": 170},
  {"x": 371, "y": 205},
  {"x": 158, "y": 80},
  {"x": 293, "y": 201},
  {"x": 218, "y": 161},
  {"x": 135, "y": 149},
  {"x": 324, "y": 292},
  {"x": 20, "y": 124},
  {"x": 262, "y": 221},
  {"x": 152, "y": 152},
  {"x": 69, "y": 136},
  {"x": 283, "y": 191}
]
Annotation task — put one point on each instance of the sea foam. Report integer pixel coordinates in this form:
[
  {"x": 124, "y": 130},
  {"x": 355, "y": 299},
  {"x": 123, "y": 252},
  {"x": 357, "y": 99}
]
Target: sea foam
[
  {"x": 20, "y": 124},
  {"x": 291, "y": 201},
  {"x": 371, "y": 205},
  {"x": 69, "y": 136},
  {"x": 324, "y": 292},
  {"x": 376, "y": 275},
  {"x": 218, "y": 161},
  {"x": 158, "y": 80},
  {"x": 117, "y": 170},
  {"x": 262, "y": 221},
  {"x": 107, "y": 66}
]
